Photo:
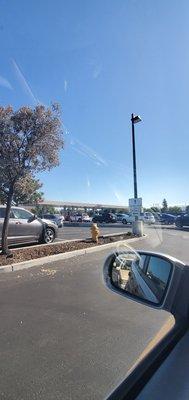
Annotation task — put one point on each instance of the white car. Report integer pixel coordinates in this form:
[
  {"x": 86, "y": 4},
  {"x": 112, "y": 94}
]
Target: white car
[
  {"x": 148, "y": 218},
  {"x": 80, "y": 218},
  {"x": 86, "y": 218},
  {"x": 56, "y": 218},
  {"x": 128, "y": 218}
]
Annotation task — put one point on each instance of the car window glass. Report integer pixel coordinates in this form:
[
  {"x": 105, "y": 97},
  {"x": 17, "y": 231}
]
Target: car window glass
[
  {"x": 22, "y": 214},
  {"x": 2, "y": 213},
  {"x": 158, "y": 271},
  {"x": 141, "y": 261}
]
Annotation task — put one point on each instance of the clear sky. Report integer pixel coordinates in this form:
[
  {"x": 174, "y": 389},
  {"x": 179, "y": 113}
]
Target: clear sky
[{"x": 103, "y": 60}]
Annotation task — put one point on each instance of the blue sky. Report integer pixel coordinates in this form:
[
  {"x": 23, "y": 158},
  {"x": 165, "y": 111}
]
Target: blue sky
[{"x": 103, "y": 60}]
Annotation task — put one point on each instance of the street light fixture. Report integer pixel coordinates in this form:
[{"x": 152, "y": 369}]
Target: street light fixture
[{"x": 134, "y": 119}]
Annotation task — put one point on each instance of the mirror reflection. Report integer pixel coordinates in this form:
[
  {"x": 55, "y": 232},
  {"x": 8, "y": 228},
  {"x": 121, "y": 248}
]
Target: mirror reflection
[{"x": 143, "y": 275}]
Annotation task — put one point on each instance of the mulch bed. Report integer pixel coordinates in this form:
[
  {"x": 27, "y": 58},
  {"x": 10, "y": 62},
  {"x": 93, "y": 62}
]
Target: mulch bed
[{"x": 30, "y": 253}]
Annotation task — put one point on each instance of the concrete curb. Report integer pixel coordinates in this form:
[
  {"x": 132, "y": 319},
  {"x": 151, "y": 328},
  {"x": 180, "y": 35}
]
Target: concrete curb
[
  {"x": 66, "y": 241},
  {"x": 63, "y": 256}
]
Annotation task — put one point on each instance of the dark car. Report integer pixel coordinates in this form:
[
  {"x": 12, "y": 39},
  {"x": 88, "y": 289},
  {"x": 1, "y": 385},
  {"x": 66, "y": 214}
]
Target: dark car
[
  {"x": 167, "y": 219},
  {"x": 105, "y": 217},
  {"x": 182, "y": 220}
]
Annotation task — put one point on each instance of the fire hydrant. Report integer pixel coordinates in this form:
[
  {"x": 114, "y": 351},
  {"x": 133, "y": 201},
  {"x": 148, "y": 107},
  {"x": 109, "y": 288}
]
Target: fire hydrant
[{"x": 95, "y": 232}]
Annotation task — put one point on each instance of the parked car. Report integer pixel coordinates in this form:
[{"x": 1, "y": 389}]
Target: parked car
[
  {"x": 182, "y": 220},
  {"x": 56, "y": 218},
  {"x": 120, "y": 217},
  {"x": 25, "y": 227},
  {"x": 80, "y": 217},
  {"x": 105, "y": 217},
  {"x": 128, "y": 218},
  {"x": 86, "y": 218},
  {"x": 148, "y": 218},
  {"x": 167, "y": 219}
]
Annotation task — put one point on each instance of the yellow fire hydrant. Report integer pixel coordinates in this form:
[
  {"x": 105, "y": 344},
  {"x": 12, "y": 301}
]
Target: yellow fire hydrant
[{"x": 95, "y": 232}]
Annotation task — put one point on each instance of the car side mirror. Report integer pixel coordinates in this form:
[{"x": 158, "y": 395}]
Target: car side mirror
[
  {"x": 152, "y": 278},
  {"x": 32, "y": 218}
]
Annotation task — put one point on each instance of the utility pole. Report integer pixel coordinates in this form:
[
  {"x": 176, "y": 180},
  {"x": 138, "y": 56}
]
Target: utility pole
[
  {"x": 137, "y": 224},
  {"x": 134, "y": 120}
]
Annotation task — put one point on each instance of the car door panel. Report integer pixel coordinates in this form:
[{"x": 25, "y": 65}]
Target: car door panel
[
  {"x": 26, "y": 231},
  {"x": 12, "y": 228},
  {"x": 186, "y": 220},
  {"x": 170, "y": 381}
]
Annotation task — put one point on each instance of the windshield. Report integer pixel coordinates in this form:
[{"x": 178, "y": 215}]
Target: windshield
[{"x": 94, "y": 141}]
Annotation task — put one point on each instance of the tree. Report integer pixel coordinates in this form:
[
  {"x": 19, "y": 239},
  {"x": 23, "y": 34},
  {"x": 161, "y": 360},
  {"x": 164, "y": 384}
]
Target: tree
[
  {"x": 155, "y": 209},
  {"x": 164, "y": 205},
  {"x": 26, "y": 191},
  {"x": 41, "y": 210},
  {"x": 30, "y": 141},
  {"x": 175, "y": 210},
  {"x": 187, "y": 209}
]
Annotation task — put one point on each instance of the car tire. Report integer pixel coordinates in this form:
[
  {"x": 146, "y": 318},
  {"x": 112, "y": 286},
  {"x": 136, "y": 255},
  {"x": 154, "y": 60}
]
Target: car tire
[
  {"x": 49, "y": 235},
  {"x": 124, "y": 221},
  {"x": 179, "y": 225}
]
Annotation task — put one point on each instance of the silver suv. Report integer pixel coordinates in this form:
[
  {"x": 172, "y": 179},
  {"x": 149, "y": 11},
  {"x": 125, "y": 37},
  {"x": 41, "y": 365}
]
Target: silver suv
[{"x": 25, "y": 227}]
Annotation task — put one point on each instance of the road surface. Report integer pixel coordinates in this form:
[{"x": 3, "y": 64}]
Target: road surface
[
  {"x": 65, "y": 336},
  {"x": 82, "y": 232}
]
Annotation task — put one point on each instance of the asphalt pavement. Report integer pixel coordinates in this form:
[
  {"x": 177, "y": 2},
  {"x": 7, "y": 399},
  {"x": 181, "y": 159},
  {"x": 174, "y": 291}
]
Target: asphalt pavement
[
  {"x": 64, "y": 335},
  {"x": 82, "y": 232}
]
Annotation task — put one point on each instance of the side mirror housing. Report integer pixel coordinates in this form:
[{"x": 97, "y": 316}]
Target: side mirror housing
[
  {"x": 156, "y": 279},
  {"x": 32, "y": 218}
]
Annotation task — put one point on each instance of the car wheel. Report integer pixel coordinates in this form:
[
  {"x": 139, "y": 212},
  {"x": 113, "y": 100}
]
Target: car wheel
[
  {"x": 124, "y": 221},
  {"x": 179, "y": 225},
  {"x": 49, "y": 235}
]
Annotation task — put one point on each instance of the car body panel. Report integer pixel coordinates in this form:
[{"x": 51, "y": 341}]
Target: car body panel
[
  {"x": 120, "y": 217},
  {"x": 55, "y": 218},
  {"x": 170, "y": 381},
  {"x": 28, "y": 231},
  {"x": 167, "y": 218},
  {"x": 128, "y": 218},
  {"x": 22, "y": 231},
  {"x": 105, "y": 217},
  {"x": 182, "y": 220}
]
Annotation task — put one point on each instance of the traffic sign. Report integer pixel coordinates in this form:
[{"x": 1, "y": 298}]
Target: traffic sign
[{"x": 135, "y": 206}]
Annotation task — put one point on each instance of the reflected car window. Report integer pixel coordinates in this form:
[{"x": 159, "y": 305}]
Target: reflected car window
[
  {"x": 158, "y": 271},
  {"x": 140, "y": 262}
]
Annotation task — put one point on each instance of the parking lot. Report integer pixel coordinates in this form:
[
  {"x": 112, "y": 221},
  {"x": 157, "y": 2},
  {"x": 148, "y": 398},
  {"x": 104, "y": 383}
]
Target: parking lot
[
  {"x": 83, "y": 232},
  {"x": 62, "y": 330}
]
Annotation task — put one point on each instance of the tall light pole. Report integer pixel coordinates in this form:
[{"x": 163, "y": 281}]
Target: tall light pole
[{"x": 134, "y": 120}]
